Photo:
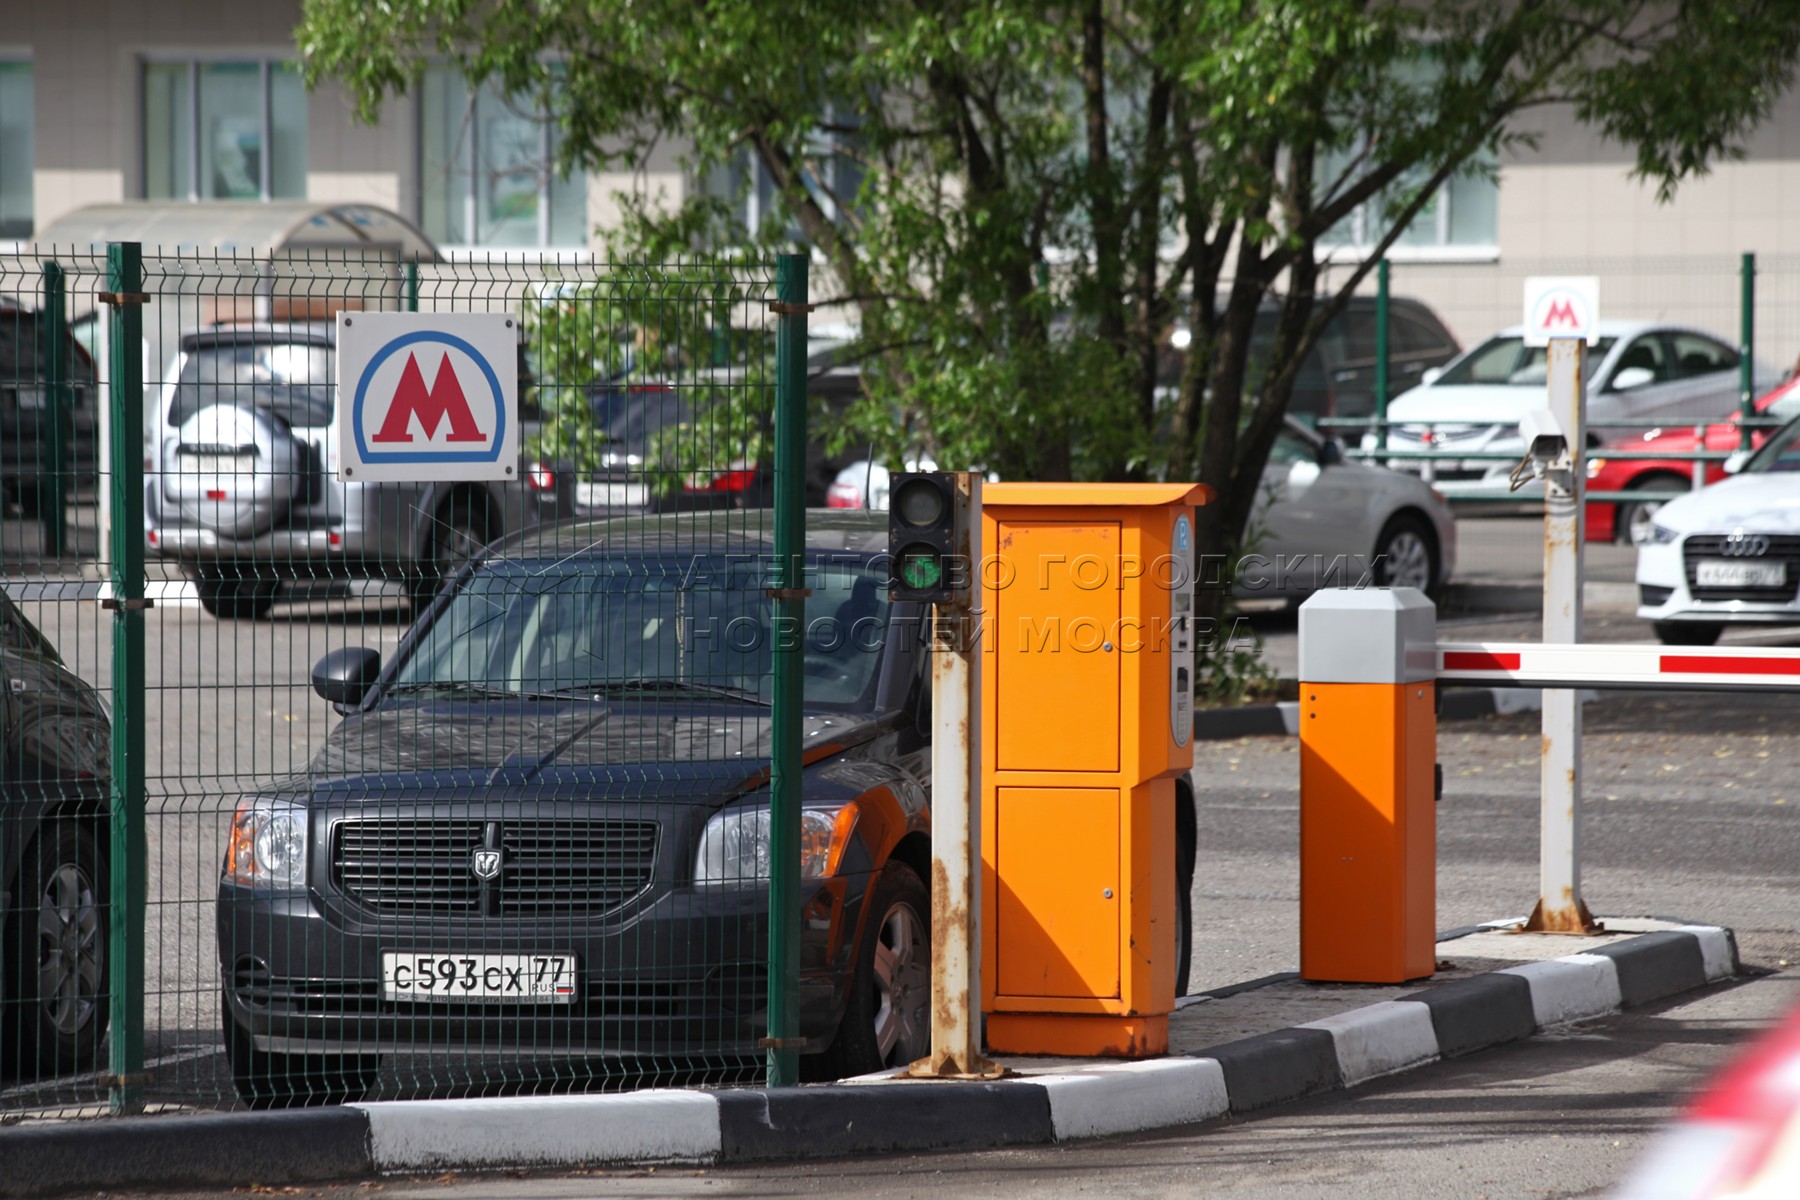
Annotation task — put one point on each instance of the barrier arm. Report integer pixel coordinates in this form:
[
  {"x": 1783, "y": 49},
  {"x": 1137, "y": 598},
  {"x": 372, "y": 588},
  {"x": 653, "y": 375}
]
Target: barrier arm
[{"x": 1620, "y": 667}]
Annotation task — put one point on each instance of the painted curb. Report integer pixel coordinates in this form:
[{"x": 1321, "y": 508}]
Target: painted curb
[{"x": 870, "y": 1116}]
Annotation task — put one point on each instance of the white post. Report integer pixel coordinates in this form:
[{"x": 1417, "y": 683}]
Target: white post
[
  {"x": 1560, "y": 908},
  {"x": 956, "y": 819}
]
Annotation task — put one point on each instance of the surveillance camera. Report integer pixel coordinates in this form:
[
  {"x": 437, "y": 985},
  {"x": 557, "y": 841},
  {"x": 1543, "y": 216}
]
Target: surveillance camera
[{"x": 1545, "y": 441}]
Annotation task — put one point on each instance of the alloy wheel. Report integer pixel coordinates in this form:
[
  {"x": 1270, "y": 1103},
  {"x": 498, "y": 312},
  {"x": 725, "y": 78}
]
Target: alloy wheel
[
  {"x": 1408, "y": 560},
  {"x": 902, "y": 987},
  {"x": 71, "y": 952}
]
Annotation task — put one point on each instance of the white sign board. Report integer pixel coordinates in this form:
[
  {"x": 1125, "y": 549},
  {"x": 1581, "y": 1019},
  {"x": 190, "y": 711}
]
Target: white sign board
[
  {"x": 1561, "y": 306},
  {"x": 427, "y": 397}
]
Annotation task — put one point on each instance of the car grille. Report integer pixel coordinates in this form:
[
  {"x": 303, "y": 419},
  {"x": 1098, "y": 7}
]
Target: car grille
[
  {"x": 1784, "y": 548},
  {"x": 551, "y": 866}
]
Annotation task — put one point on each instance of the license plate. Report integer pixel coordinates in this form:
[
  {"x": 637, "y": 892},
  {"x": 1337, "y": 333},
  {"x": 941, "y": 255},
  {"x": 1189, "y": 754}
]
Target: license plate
[
  {"x": 1722, "y": 572},
  {"x": 519, "y": 978},
  {"x": 611, "y": 495}
]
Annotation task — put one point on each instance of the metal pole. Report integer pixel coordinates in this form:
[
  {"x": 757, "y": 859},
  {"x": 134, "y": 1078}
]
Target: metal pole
[
  {"x": 956, "y": 820},
  {"x": 783, "y": 1039},
  {"x": 125, "y": 282},
  {"x": 1746, "y": 348},
  {"x": 412, "y": 286},
  {"x": 1560, "y": 908},
  {"x": 52, "y": 485},
  {"x": 1381, "y": 357}
]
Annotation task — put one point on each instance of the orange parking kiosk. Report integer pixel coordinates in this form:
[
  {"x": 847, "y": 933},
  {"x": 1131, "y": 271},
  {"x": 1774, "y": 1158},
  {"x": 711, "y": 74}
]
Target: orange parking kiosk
[
  {"x": 1368, "y": 767},
  {"x": 1087, "y": 661}
]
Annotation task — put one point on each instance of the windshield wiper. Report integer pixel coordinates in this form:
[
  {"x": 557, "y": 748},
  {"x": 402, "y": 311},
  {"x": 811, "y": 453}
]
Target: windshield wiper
[
  {"x": 463, "y": 688},
  {"x": 675, "y": 685}
]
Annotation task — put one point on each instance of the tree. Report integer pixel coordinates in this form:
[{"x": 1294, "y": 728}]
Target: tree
[{"x": 1019, "y": 199}]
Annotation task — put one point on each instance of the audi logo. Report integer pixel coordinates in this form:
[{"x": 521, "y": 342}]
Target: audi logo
[{"x": 1744, "y": 545}]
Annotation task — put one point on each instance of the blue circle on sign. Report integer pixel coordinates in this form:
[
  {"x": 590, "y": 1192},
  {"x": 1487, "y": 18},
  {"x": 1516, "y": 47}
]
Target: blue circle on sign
[{"x": 491, "y": 454}]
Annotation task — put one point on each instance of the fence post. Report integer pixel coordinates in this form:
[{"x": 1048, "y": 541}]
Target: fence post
[
  {"x": 52, "y": 487},
  {"x": 1746, "y": 348},
  {"x": 125, "y": 282},
  {"x": 783, "y": 1037},
  {"x": 412, "y": 285},
  {"x": 1381, "y": 358}
]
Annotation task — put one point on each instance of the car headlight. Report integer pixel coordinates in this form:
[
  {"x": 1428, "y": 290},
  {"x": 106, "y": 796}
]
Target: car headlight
[
  {"x": 734, "y": 846},
  {"x": 1595, "y": 466},
  {"x": 1661, "y": 535},
  {"x": 267, "y": 847}
]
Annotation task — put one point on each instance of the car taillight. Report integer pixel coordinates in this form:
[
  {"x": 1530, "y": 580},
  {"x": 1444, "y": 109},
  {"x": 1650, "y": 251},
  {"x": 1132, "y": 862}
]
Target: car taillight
[
  {"x": 843, "y": 495},
  {"x": 737, "y": 480},
  {"x": 540, "y": 478}
]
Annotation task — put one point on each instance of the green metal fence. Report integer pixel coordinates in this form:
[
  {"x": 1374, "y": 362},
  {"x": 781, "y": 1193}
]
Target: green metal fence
[{"x": 332, "y": 789}]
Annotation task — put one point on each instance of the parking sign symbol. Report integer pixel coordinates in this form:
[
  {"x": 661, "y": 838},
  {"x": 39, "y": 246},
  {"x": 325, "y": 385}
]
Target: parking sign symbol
[{"x": 427, "y": 396}]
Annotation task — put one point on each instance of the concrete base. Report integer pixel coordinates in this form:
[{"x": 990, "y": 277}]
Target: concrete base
[{"x": 1062, "y": 1035}]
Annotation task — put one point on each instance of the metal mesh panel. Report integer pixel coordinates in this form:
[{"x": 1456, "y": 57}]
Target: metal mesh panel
[{"x": 448, "y": 788}]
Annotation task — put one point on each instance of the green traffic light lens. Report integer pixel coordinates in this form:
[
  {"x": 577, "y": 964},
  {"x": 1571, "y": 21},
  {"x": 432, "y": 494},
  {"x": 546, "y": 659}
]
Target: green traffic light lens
[
  {"x": 919, "y": 502},
  {"x": 921, "y": 568}
]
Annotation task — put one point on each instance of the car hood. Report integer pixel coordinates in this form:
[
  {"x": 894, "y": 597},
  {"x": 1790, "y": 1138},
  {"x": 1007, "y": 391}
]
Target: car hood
[
  {"x": 1470, "y": 404},
  {"x": 1756, "y": 503},
  {"x": 659, "y": 748}
]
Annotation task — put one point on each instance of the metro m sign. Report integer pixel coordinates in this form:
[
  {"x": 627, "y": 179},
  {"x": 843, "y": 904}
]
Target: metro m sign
[
  {"x": 1561, "y": 306},
  {"x": 427, "y": 397}
]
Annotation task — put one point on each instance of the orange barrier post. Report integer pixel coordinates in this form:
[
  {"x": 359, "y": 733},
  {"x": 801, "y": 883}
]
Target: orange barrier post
[
  {"x": 1368, "y": 769},
  {"x": 1086, "y": 719}
]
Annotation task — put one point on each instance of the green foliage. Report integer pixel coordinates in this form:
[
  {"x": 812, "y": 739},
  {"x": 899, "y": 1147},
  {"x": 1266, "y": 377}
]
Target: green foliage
[
  {"x": 682, "y": 330},
  {"x": 1017, "y": 201}
]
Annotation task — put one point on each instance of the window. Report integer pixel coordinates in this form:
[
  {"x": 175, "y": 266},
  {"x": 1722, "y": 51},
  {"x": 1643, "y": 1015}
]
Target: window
[
  {"x": 1463, "y": 214},
  {"x": 834, "y": 176},
  {"x": 1642, "y": 364},
  {"x": 1507, "y": 360},
  {"x": 18, "y": 155},
  {"x": 486, "y": 170},
  {"x": 224, "y": 130},
  {"x": 1695, "y": 355}
]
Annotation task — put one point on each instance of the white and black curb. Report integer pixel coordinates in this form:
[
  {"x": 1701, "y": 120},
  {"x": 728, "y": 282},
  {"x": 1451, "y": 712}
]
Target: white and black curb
[{"x": 868, "y": 1117}]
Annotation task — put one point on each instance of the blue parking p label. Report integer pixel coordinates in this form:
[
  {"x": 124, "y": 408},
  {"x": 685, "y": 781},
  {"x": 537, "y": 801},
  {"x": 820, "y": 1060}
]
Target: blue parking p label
[{"x": 427, "y": 397}]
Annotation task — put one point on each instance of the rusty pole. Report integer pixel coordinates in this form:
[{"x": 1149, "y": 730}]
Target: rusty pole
[
  {"x": 956, "y": 816},
  {"x": 1560, "y": 908}
]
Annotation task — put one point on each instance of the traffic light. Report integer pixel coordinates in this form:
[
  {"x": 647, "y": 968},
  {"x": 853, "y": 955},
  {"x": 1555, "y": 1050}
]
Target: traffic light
[{"x": 928, "y": 538}]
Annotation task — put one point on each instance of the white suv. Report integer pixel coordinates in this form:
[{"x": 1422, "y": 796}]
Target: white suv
[{"x": 241, "y": 480}]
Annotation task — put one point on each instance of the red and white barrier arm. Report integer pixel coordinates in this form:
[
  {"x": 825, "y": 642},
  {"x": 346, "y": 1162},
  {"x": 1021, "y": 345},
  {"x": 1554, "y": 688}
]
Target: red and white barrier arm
[{"x": 1541, "y": 665}]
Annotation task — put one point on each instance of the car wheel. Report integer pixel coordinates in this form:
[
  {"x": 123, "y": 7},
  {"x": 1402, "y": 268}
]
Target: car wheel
[
  {"x": 1406, "y": 555},
  {"x": 1186, "y": 844},
  {"x": 1631, "y": 523},
  {"x": 887, "y": 1020},
  {"x": 58, "y": 953},
  {"x": 267, "y": 1080},
  {"x": 460, "y": 528},
  {"x": 230, "y": 595},
  {"x": 1686, "y": 633}
]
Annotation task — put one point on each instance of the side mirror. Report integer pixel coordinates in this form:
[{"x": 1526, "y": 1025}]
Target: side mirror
[
  {"x": 1331, "y": 452},
  {"x": 1431, "y": 375},
  {"x": 345, "y": 676},
  {"x": 1736, "y": 462},
  {"x": 1632, "y": 377}
]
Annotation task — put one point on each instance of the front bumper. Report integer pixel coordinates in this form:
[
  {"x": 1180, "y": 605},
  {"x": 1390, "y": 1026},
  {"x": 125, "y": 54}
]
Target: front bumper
[
  {"x": 678, "y": 973},
  {"x": 1666, "y": 593}
]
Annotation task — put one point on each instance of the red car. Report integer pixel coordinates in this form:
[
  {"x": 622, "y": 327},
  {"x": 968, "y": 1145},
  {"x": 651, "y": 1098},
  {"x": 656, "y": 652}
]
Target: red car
[
  {"x": 1740, "y": 1140},
  {"x": 1608, "y": 521}
]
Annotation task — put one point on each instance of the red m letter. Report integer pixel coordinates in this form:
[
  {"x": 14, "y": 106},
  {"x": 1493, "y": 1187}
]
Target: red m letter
[
  {"x": 444, "y": 399},
  {"x": 1561, "y": 313}
]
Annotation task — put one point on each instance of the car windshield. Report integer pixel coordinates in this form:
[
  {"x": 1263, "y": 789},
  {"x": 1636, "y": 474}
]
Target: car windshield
[
  {"x": 1508, "y": 361},
  {"x": 1779, "y": 453},
  {"x": 652, "y": 625},
  {"x": 293, "y": 380}
]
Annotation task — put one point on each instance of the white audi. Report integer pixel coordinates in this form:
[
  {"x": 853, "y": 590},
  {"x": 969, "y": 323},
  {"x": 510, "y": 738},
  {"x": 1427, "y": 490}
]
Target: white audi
[{"x": 1730, "y": 553}]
